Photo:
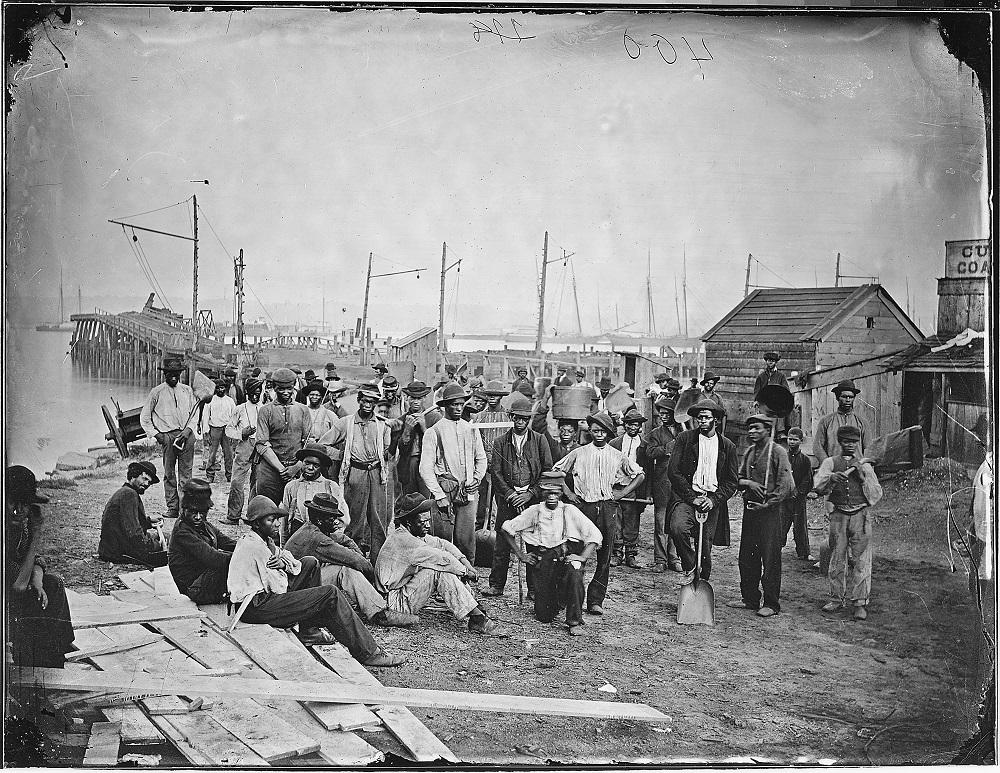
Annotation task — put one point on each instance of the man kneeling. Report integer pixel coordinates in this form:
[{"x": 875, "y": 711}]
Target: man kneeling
[
  {"x": 285, "y": 591},
  {"x": 559, "y": 539},
  {"x": 342, "y": 564},
  {"x": 413, "y": 565}
]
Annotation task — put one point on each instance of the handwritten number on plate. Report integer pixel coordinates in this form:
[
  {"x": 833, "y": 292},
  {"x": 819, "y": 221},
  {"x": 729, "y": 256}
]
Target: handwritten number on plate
[{"x": 660, "y": 52}]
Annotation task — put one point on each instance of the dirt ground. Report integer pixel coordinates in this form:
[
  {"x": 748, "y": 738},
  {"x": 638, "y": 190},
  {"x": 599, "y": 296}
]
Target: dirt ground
[{"x": 802, "y": 687}]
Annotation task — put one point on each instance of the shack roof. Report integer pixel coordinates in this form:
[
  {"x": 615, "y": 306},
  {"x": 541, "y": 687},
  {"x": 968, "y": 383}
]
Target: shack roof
[
  {"x": 415, "y": 336},
  {"x": 919, "y": 357}
]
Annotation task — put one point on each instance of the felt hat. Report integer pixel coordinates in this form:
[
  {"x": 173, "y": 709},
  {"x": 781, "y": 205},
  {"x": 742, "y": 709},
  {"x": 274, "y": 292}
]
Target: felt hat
[
  {"x": 673, "y": 383},
  {"x": 324, "y": 506},
  {"x": 772, "y": 355},
  {"x": 312, "y": 386},
  {"x": 552, "y": 480},
  {"x": 252, "y": 384},
  {"x": 662, "y": 377},
  {"x": 283, "y": 377},
  {"x": 580, "y": 372},
  {"x": 336, "y": 389},
  {"x": 256, "y": 372},
  {"x": 520, "y": 406},
  {"x": 560, "y": 368},
  {"x": 369, "y": 390},
  {"x": 309, "y": 375},
  {"x": 848, "y": 432},
  {"x": 526, "y": 389},
  {"x": 172, "y": 364},
  {"x": 633, "y": 416},
  {"x": 380, "y": 367},
  {"x": 605, "y": 383},
  {"x": 604, "y": 421},
  {"x": 451, "y": 370},
  {"x": 665, "y": 403},
  {"x": 145, "y": 466},
  {"x": 390, "y": 382},
  {"x": 330, "y": 366},
  {"x": 296, "y": 370},
  {"x": 452, "y": 391},
  {"x": 845, "y": 386},
  {"x": 230, "y": 373},
  {"x": 417, "y": 389},
  {"x": 411, "y": 504},
  {"x": 221, "y": 382},
  {"x": 197, "y": 495},
  {"x": 496, "y": 388},
  {"x": 261, "y": 506},
  {"x": 706, "y": 405},
  {"x": 479, "y": 392},
  {"x": 796, "y": 432},
  {"x": 521, "y": 369},
  {"x": 760, "y": 418},
  {"x": 20, "y": 486},
  {"x": 709, "y": 376},
  {"x": 316, "y": 450}
]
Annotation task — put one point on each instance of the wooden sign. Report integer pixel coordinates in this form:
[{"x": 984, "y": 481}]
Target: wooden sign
[{"x": 967, "y": 259}]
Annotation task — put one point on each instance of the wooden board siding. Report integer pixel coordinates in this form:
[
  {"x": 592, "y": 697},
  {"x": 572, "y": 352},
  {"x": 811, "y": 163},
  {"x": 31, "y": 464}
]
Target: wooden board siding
[
  {"x": 878, "y": 405},
  {"x": 961, "y": 305}
]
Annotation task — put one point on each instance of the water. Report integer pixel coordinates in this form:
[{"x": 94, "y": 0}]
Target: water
[{"x": 52, "y": 407}]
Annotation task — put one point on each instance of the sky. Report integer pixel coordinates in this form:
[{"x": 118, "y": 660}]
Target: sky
[{"x": 668, "y": 140}]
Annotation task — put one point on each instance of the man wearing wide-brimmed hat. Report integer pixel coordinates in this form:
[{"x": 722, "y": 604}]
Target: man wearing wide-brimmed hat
[
  {"x": 321, "y": 418},
  {"x": 521, "y": 380},
  {"x": 825, "y": 440},
  {"x": 703, "y": 474},
  {"x": 604, "y": 387},
  {"x": 308, "y": 484},
  {"x": 127, "y": 533},
  {"x": 233, "y": 389},
  {"x": 708, "y": 383},
  {"x": 282, "y": 429},
  {"x": 414, "y": 423},
  {"x": 199, "y": 553},
  {"x": 602, "y": 475},
  {"x": 452, "y": 457},
  {"x": 169, "y": 416},
  {"x": 633, "y": 445},
  {"x": 770, "y": 374},
  {"x": 368, "y": 479},
  {"x": 659, "y": 447},
  {"x": 414, "y": 565},
  {"x": 39, "y": 631},
  {"x": 241, "y": 431},
  {"x": 286, "y": 591},
  {"x": 659, "y": 384},
  {"x": 493, "y": 413},
  {"x": 562, "y": 379},
  {"x": 559, "y": 539}
]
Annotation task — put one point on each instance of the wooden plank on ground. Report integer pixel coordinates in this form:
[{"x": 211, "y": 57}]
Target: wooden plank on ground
[
  {"x": 416, "y": 737},
  {"x": 147, "y": 615},
  {"x": 138, "y": 597},
  {"x": 163, "y": 582},
  {"x": 337, "y": 747},
  {"x": 218, "y": 614},
  {"x": 180, "y": 684},
  {"x": 183, "y": 744},
  {"x": 204, "y": 642},
  {"x": 213, "y": 741},
  {"x": 111, "y": 647},
  {"x": 285, "y": 658},
  {"x": 141, "y": 580},
  {"x": 89, "y": 604},
  {"x": 135, "y": 725},
  {"x": 102, "y": 747}
]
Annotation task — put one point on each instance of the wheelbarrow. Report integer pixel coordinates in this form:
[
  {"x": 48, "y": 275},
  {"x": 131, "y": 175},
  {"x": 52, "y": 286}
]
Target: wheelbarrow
[{"x": 696, "y": 605}]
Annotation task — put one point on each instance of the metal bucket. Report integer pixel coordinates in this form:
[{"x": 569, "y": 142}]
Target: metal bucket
[{"x": 571, "y": 402}]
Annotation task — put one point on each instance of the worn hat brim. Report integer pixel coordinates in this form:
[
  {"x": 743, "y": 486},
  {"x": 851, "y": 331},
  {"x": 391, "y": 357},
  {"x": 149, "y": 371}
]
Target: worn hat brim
[
  {"x": 423, "y": 507},
  {"x": 603, "y": 424}
]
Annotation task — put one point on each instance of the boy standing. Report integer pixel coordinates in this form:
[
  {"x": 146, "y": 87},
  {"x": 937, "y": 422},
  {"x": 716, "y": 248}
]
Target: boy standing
[{"x": 794, "y": 508}]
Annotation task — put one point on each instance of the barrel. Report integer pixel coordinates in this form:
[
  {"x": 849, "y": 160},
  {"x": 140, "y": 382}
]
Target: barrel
[{"x": 571, "y": 402}]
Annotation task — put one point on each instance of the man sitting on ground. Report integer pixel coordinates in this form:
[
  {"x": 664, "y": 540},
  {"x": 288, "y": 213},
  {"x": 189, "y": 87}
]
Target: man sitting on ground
[
  {"x": 199, "y": 553},
  {"x": 342, "y": 563},
  {"x": 559, "y": 540},
  {"x": 285, "y": 591},
  {"x": 413, "y": 565},
  {"x": 127, "y": 533}
]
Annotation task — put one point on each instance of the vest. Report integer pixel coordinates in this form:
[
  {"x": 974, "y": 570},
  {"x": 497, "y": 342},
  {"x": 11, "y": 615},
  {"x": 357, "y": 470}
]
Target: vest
[{"x": 847, "y": 496}]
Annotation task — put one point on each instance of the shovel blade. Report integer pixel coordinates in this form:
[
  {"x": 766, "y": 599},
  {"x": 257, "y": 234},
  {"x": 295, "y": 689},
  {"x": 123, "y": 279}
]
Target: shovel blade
[{"x": 696, "y": 605}]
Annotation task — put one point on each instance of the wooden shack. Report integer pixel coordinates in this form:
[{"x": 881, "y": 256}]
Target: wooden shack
[
  {"x": 420, "y": 350},
  {"x": 824, "y": 335}
]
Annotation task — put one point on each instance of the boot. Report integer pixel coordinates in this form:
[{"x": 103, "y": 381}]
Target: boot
[
  {"x": 632, "y": 561},
  {"x": 618, "y": 556},
  {"x": 390, "y": 618}
]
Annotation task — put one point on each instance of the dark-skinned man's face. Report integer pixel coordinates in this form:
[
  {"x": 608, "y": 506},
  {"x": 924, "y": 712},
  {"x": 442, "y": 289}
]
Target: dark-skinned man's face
[
  {"x": 171, "y": 377},
  {"x": 567, "y": 432},
  {"x": 366, "y": 405},
  {"x": 846, "y": 401},
  {"x": 420, "y": 525},
  {"x": 633, "y": 428},
  {"x": 600, "y": 435},
  {"x": 284, "y": 392},
  {"x": 265, "y": 527},
  {"x": 453, "y": 409},
  {"x": 666, "y": 417},
  {"x": 520, "y": 423}
]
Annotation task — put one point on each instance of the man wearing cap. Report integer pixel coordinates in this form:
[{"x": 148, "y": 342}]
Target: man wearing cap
[
  {"x": 659, "y": 447},
  {"x": 561, "y": 378},
  {"x": 658, "y": 386},
  {"x": 770, "y": 374},
  {"x": 199, "y": 553},
  {"x": 452, "y": 457},
  {"x": 321, "y": 419},
  {"x": 703, "y": 472},
  {"x": 394, "y": 400},
  {"x": 307, "y": 485},
  {"x": 632, "y": 444},
  {"x": 825, "y": 439},
  {"x": 241, "y": 431},
  {"x": 335, "y": 389},
  {"x": 475, "y": 404},
  {"x": 341, "y": 561},
  {"x": 521, "y": 380},
  {"x": 602, "y": 475},
  {"x": 282, "y": 429},
  {"x": 849, "y": 481},
  {"x": 519, "y": 458},
  {"x": 367, "y": 478},
  {"x": 127, "y": 534},
  {"x": 286, "y": 591},
  {"x": 493, "y": 413},
  {"x": 232, "y": 388},
  {"x": 793, "y": 509},
  {"x": 380, "y": 374},
  {"x": 414, "y": 423},
  {"x": 766, "y": 481},
  {"x": 414, "y": 565},
  {"x": 215, "y": 417},
  {"x": 39, "y": 630},
  {"x": 169, "y": 416},
  {"x": 559, "y": 539},
  {"x": 581, "y": 379},
  {"x": 604, "y": 387}
]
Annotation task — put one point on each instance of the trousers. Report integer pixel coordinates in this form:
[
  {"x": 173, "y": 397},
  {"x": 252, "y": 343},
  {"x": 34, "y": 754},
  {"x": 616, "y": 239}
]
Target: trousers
[
  {"x": 177, "y": 467},
  {"x": 241, "y": 472},
  {"x": 793, "y": 515},
  {"x": 664, "y": 549},
  {"x": 501, "y": 550},
  {"x": 629, "y": 534},
  {"x": 558, "y": 584},
  {"x": 311, "y": 605},
  {"x": 413, "y": 596},
  {"x": 208, "y": 587},
  {"x": 370, "y": 504},
  {"x": 760, "y": 557},
  {"x": 606, "y": 516},
  {"x": 851, "y": 556},
  {"x": 457, "y": 524},
  {"x": 217, "y": 437},
  {"x": 40, "y": 637},
  {"x": 355, "y": 586},
  {"x": 684, "y": 531},
  {"x": 269, "y": 482}
]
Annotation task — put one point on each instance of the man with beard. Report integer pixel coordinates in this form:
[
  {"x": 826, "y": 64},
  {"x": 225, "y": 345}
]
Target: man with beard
[
  {"x": 309, "y": 484},
  {"x": 127, "y": 533},
  {"x": 321, "y": 418},
  {"x": 282, "y": 429},
  {"x": 199, "y": 553},
  {"x": 241, "y": 431},
  {"x": 659, "y": 447}
]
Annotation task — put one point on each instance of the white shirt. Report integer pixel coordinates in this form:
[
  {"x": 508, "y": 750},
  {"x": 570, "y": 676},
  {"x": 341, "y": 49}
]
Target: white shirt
[
  {"x": 630, "y": 445},
  {"x": 249, "y": 573},
  {"x": 551, "y": 528},
  {"x": 218, "y": 412},
  {"x": 519, "y": 441},
  {"x": 706, "y": 478},
  {"x": 597, "y": 470},
  {"x": 244, "y": 416}
]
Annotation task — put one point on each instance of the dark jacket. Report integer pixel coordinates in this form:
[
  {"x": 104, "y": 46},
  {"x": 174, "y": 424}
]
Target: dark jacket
[
  {"x": 642, "y": 459},
  {"x": 536, "y": 453},
  {"x": 765, "y": 379},
  {"x": 659, "y": 447},
  {"x": 309, "y": 540},
  {"x": 683, "y": 465},
  {"x": 802, "y": 473},
  {"x": 195, "y": 551},
  {"x": 123, "y": 527}
]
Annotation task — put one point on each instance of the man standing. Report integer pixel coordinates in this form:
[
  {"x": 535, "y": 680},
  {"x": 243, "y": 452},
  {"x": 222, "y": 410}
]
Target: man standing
[
  {"x": 521, "y": 380},
  {"x": 770, "y": 374},
  {"x": 199, "y": 553},
  {"x": 215, "y": 417},
  {"x": 364, "y": 438},
  {"x": 232, "y": 388},
  {"x": 794, "y": 508},
  {"x": 598, "y": 470},
  {"x": 414, "y": 565},
  {"x": 561, "y": 378},
  {"x": 127, "y": 533},
  {"x": 392, "y": 397},
  {"x": 766, "y": 481},
  {"x": 849, "y": 480},
  {"x": 414, "y": 423},
  {"x": 703, "y": 474},
  {"x": 658, "y": 386},
  {"x": 309, "y": 484},
  {"x": 559, "y": 539},
  {"x": 708, "y": 392},
  {"x": 285, "y": 591},
  {"x": 169, "y": 416},
  {"x": 603, "y": 390},
  {"x": 493, "y": 413},
  {"x": 659, "y": 447},
  {"x": 452, "y": 465},
  {"x": 320, "y": 418},
  {"x": 519, "y": 458},
  {"x": 241, "y": 431},
  {"x": 282, "y": 429},
  {"x": 626, "y": 548},
  {"x": 380, "y": 370},
  {"x": 825, "y": 440},
  {"x": 581, "y": 379}
]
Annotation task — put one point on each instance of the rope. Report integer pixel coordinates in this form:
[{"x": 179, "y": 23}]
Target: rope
[
  {"x": 146, "y": 269},
  {"x": 212, "y": 229},
  {"x": 159, "y": 287},
  {"x": 150, "y": 212},
  {"x": 759, "y": 264}
]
